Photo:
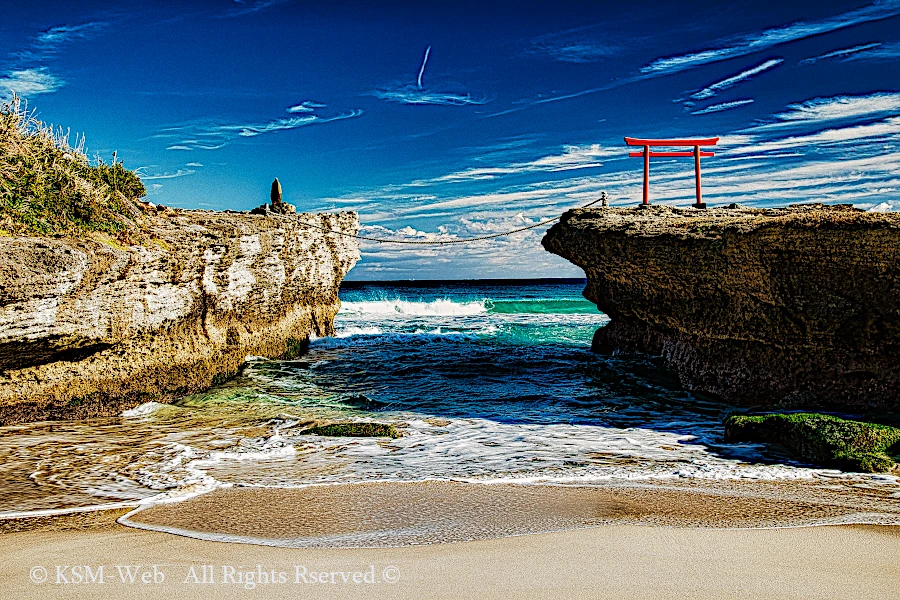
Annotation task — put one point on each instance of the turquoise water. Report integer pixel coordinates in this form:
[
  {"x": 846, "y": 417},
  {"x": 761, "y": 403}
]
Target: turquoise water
[{"x": 489, "y": 383}]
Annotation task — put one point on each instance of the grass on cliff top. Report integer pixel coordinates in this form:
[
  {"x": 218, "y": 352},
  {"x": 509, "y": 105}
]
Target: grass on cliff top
[
  {"x": 49, "y": 187},
  {"x": 822, "y": 439}
]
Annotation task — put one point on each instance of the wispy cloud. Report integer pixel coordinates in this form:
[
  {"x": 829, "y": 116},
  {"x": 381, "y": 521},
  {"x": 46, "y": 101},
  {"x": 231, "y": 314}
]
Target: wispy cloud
[
  {"x": 254, "y": 129},
  {"x": 411, "y": 94},
  {"x": 818, "y": 111},
  {"x": 178, "y": 173},
  {"x": 843, "y": 53},
  {"x": 422, "y": 68},
  {"x": 28, "y": 76},
  {"x": 579, "y": 45},
  {"x": 723, "y": 106},
  {"x": 883, "y": 52},
  {"x": 755, "y": 42},
  {"x": 28, "y": 82},
  {"x": 715, "y": 88},
  {"x": 305, "y": 107},
  {"x": 47, "y": 43},
  {"x": 248, "y": 7},
  {"x": 212, "y": 136},
  {"x": 572, "y": 158},
  {"x": 401, "y": 93}
]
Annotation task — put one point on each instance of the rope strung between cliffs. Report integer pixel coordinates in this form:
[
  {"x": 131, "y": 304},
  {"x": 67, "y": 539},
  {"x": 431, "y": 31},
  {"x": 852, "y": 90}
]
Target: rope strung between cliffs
[{"x": 445, "y": 242}]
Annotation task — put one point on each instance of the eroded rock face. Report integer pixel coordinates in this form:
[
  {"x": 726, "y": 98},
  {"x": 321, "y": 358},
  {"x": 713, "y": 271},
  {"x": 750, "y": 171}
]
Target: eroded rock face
[
  {"x": 88, "y": 328},
  {"x": 797, "y": 306}
]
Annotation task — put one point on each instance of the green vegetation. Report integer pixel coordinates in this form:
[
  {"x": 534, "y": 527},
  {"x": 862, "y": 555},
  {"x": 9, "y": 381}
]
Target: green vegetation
[
  {"x": 355, "y": 430},
  {"x": 295, "y": 348},
  {"x": 220, "y": 378},
  {"x": 822, "y": 439},
  {"x": 48, "y": 187}
]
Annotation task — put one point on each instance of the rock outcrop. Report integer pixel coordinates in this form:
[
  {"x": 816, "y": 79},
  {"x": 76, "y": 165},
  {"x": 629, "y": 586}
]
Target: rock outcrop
[
  {"x": 89, "y": 327},
  {"x": 797, "y": 306}
]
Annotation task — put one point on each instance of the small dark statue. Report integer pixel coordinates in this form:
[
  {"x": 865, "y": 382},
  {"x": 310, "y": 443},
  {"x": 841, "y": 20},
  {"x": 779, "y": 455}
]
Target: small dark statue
[
  {"x": 276, "y": 192},
  {"x": 278, "y": 206}
]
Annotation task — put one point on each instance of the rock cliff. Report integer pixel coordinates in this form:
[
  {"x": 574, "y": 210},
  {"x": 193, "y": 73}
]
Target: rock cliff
[
  {"x": 89, "y": 327},
  {"x": 797, "y": 306}
]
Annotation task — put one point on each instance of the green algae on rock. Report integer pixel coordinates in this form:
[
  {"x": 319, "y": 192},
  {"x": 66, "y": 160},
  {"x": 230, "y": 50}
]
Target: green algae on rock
[
  {"x": 822, "y": 439},
  {"x": 355, "y": 430}
]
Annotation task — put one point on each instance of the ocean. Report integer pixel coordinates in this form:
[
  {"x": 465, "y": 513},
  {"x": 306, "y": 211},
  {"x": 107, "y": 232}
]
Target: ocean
[{"x": 490, "y": 381}]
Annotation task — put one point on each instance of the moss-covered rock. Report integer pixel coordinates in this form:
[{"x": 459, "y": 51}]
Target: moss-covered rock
[
  {"x": 821, "y": 439},
  {"x": 355, "y": 430}
]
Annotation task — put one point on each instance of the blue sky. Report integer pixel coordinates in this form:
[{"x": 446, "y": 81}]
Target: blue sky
[{"x": 517, "y": 114}]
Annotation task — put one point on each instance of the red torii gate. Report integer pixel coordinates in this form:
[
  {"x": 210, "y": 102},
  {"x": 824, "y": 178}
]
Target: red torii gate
[{"x": 647, "y": 153}]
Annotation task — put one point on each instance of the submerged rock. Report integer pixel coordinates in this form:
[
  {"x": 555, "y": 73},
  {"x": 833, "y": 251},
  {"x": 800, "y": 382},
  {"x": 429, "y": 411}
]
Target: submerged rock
[
  {"x": 89, "y": 328},
  {"x": 796, "y": 306},
  {"x": 355, "y": 430},
  {"x": 821, "y": 439}
]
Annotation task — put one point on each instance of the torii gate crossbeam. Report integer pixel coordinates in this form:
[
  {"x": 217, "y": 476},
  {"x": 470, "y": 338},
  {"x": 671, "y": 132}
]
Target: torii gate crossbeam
[{"x": 647, "y": 153}]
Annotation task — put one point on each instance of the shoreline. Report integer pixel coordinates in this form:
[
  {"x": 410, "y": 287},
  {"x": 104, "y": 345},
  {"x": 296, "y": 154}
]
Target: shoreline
[{"x": 402, "y": 514}]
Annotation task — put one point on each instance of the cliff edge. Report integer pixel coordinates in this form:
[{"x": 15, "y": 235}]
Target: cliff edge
[
  {"x": 89, "y": 327},
  {"x": 796, "y": 306}
]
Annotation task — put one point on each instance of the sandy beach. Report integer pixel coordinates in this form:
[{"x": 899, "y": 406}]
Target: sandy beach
[
  {"x": 683, "y": 549},
  {"x": 599, "y": 562}
]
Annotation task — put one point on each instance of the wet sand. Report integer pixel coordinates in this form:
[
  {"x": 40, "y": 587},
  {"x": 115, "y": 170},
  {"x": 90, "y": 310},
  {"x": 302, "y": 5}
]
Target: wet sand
[{"x": 400, "y": 514}]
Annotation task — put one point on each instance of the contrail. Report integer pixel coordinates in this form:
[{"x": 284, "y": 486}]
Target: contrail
[{"x": 422, "y": 70}]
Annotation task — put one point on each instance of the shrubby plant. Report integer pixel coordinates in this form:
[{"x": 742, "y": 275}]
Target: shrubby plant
[{"x": 48, "y": 186}]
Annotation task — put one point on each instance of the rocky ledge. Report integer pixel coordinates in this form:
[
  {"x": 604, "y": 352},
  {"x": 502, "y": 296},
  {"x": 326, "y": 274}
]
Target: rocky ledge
[
  {"x": 792, "y": 307},
  {"x": 89, "y": 327}
]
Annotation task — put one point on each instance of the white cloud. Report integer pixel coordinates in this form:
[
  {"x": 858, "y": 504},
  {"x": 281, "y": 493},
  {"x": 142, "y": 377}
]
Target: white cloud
[
  {"x": 47, "y": 43},
  {"x": 29, "y": 82},
  {"x": 715, "y": 88},
  {"x": 303, "y": 107},
  {"x": 822, "y": 110},
  {"x": 572, "y": 157},
  {"x": 410, "y": 94},
  {"x": 843, "y": 53},
  {"x": 723, "y": 106},
  {"x": 884, "y": 52},
  {"x": 755, "y": 42},
  {"x": 216, "y": 136},
  {"x": 248, "y": 7},
  {"x": 178, "y": 173},
  {"x": 579, "y": 45},
  {"x": 28, "y": 77}
]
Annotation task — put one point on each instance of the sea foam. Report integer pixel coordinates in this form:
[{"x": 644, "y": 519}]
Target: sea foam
[{"x": 440, "y": 307}]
